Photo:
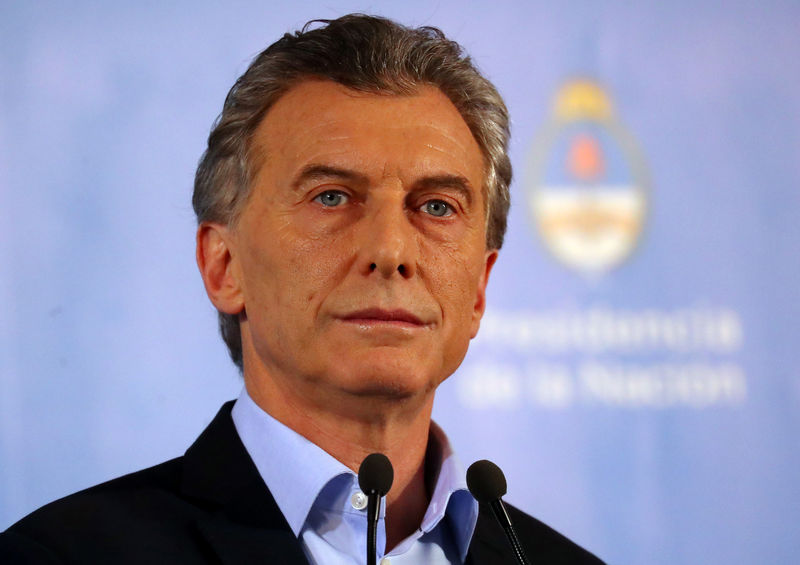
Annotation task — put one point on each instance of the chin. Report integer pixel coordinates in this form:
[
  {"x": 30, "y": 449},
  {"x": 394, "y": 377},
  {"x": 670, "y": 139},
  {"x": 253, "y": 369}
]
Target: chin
[{"x": 389, "y": 382}]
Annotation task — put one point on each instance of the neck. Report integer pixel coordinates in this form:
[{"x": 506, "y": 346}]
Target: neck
[{"x": 349, "y": 429}]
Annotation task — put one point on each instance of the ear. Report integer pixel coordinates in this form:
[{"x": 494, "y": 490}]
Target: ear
[
  {"x": 480, "y": 298},
  {"x": 216, "y": 259}
]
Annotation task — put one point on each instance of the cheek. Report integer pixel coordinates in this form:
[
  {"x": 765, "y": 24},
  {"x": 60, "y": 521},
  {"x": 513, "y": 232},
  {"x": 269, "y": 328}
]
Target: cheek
[
  {"x": 454, "y": 277},
  {"x": 312, "y": 268}
]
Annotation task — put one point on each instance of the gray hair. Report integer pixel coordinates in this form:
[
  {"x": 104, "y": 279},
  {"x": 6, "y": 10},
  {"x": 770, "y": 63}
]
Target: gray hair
[{"x": 364, "y": 53}]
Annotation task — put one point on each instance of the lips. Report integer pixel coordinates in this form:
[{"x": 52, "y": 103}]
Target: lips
[{"x": 372, "y": 315}]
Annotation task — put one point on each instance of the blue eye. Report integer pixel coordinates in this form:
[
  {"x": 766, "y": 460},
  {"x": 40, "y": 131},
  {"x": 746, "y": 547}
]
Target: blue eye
[
  {"x": 438, "y": 208},
  {"x": 331, "y": 198}
]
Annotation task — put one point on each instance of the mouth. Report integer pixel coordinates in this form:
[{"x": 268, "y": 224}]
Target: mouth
[{"x": 379, "y": 316}]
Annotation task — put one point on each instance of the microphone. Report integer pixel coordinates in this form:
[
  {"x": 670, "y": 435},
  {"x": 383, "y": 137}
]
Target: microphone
[
  {"x": 375, "y": 478},
  {"x": 487, "y": 484}
]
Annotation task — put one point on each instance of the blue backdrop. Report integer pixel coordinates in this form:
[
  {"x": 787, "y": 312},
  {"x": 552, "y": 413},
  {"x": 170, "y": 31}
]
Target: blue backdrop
[{"x": 638, "y": 370}]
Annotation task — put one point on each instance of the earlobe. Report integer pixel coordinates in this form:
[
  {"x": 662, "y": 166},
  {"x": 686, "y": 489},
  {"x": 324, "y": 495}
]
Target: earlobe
[
  {"x": 480, "y": 298},
  {"x": 216, "y": 260}
]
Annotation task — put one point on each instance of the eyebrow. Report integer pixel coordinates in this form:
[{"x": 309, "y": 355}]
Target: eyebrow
[
  {"x": 455, "y": 182},
  {"x": 314, "y": 172}
]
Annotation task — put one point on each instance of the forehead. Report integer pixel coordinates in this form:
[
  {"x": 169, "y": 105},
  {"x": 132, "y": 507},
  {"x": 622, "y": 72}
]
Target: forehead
[{"x": 320, "y": 120}]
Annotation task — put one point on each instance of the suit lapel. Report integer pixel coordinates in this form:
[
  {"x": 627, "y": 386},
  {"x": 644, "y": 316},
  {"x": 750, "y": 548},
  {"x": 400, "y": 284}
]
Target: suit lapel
[
  {"x": 239, "y": 544},
  {"x": 243, "y": 523},
  {"x": 489, "y": 545}
]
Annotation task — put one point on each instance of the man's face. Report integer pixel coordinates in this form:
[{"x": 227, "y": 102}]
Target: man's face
[{"x": 360, "y": 253}]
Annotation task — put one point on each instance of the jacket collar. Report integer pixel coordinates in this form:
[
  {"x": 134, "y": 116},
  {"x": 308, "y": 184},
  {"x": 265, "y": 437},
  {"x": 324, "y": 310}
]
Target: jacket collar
[
  {"x": 489, "y": 544},
  {"x": 243, "y": 524}
]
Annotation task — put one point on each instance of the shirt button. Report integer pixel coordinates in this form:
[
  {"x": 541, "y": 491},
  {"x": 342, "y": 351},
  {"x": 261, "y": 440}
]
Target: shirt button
[
  {"x": 386, "y": 561},
  {"x": 359, "y": 500}
]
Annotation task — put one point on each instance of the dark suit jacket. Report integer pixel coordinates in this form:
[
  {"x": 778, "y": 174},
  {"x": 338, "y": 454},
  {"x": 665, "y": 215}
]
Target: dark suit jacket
[{"x": 211, "y": 506}]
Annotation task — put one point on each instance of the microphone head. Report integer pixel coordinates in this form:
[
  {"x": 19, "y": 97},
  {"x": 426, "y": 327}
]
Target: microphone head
[
  {"x": 486, "y": 481},
  {"x": 375, "y": 474}
]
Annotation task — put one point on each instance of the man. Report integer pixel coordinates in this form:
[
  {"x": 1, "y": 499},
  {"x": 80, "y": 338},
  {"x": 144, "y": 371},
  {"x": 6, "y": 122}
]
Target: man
[{"x": 351, "y": 204}]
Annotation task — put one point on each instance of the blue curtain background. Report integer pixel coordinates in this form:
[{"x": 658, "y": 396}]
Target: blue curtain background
[{"x": 649, "y": 409}]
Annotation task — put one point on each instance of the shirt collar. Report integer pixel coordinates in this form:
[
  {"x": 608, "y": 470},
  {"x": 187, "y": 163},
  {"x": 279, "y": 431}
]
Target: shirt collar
[
  {"x": 298, "y": 470},
  {"x": 450, "y": 498},
  {"x": 295, "y": 469}
]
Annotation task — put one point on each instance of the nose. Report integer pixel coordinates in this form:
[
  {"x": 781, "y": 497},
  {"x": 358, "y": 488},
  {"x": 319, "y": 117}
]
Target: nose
[{"x": 388, "y": 240}]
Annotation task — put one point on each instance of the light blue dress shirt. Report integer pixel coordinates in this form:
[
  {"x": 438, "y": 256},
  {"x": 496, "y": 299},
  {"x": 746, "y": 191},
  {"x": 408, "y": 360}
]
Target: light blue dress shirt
[{"x": 325, "y": 509}]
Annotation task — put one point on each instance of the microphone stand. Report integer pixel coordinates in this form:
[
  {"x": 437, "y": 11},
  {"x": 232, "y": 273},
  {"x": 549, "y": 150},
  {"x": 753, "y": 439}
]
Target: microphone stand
[
  {"x": 373, "y": 511},
  {"x": 499, "y": 511}
]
